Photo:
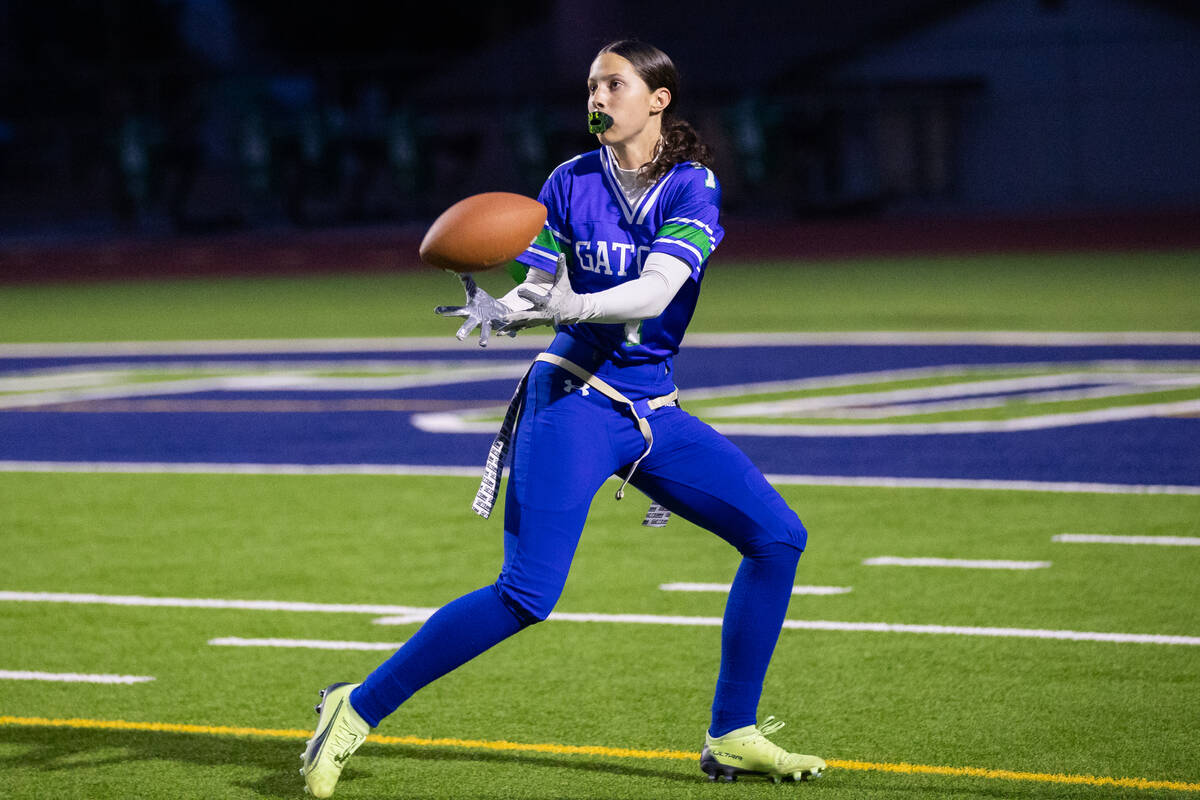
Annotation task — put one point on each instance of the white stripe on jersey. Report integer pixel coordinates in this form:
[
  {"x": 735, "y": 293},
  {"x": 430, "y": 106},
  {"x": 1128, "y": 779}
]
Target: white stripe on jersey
[
  {"x": 680, "y": 243},
  {"x": 648, "y": 201},
  {"x": 614, "y": 185},
  {"x": 695, "y": 223},
  {"x": 553, "y": 259}
]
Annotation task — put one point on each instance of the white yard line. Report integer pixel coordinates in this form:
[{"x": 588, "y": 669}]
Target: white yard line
[
  {"x": 307, "y": 644},
  {"x": 854, "y": 481},
  {"x": 1016, "y": 633},
  {"x": 405, "y": 615},
  {"x": 527, "y": 341},
  {"x": 1032, "y": 338},
  {"x": 238, "y": 346},
  {"x": 889, "y": 627},
  {"x": 208, "y": 468},
  {"x": 70, "y": 677},
  {"x": 1098, "y": 538},
  {"x": 962, "y": 563},
  {"x": 885, "y": 482},
  {"x": 273, "y": 362},
  {"x": 724, "y": 587},
  {"x": 202, "y": 602}
]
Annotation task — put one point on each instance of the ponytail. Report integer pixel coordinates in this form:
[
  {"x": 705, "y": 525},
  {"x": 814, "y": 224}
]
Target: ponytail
[{"x": 679, "y": 144}]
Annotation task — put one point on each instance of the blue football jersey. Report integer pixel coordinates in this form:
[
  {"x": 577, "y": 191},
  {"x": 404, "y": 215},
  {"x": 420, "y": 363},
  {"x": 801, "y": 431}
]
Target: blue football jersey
[{"x": 606, "y": 242}]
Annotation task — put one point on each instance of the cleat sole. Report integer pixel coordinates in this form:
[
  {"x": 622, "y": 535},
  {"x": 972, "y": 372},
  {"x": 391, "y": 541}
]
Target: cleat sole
[{"x": 716, "y": 771}]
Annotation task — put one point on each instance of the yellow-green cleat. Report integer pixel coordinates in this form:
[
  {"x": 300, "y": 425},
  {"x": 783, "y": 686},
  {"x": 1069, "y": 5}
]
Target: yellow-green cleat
[
  {"x": 340, "y": 731},
  {"x": 747, "y": 751}
]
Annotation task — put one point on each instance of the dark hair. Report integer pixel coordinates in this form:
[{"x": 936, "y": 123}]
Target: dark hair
[{"x": 680, "y": 142}]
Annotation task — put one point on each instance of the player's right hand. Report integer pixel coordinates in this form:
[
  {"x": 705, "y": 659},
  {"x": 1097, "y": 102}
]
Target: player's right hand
[{"x": 482, "y": 311}]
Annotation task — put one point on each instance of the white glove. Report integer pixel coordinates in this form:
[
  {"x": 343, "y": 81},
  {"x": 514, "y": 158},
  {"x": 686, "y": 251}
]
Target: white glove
[
  {"x": 551, "y": 303},
  {"x": 481, "y": 310}
]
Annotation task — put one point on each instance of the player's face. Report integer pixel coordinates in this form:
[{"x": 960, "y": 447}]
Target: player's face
[{"x": 615, "y": 88}]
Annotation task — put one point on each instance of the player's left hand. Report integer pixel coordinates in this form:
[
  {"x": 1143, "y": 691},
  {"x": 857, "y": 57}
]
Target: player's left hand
[
  {"x": 554, "y": 302},
  {"x": 482, "y": 311}
]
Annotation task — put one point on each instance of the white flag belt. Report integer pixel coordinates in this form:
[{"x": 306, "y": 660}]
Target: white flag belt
[{"x": 485, "y": 498}]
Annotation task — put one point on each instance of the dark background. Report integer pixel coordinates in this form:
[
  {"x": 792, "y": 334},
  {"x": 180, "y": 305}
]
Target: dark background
[{"x": 164, "y": 118}]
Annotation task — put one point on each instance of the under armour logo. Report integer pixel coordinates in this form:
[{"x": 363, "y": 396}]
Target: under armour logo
[{"x": 569, "y": 387}]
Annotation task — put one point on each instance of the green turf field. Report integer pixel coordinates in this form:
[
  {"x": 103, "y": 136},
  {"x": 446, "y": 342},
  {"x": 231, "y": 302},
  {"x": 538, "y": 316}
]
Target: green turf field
[
  {"x": 906, "y": 715},
  {"x": 1077, "y": 292},
  {"x": 1053, "y": 707}
]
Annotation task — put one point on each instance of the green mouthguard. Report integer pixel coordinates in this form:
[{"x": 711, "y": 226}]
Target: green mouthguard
[{"x": 599, "y": 122}]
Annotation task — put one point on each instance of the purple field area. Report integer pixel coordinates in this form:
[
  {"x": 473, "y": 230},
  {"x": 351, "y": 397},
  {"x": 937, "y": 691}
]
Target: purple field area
[{"x": 375, "y": 428}]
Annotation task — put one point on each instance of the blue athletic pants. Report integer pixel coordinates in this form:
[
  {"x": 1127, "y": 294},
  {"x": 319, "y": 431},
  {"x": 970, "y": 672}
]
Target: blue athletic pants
[{"x": 568, "y": 441}]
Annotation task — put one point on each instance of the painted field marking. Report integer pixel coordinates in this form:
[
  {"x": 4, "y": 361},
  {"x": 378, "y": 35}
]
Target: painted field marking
[
  {"x": 1033, "y": 423},
  {"x": 531, "y": 342},
  {"x": 202, "y": 602},
  {"x": 308, "y": 644},
  {"x": 959, "y": 371},
  {"x": 69, "y": 677},
  {"x": 1099, "y": 538},
  {"x": 1004, "y": 633},
  {"x": 1033, "y": 338},
  {"x": 852, "y": 481},
  {"x": 462, "y": 422},
  {"x": 242, "y": 468},
  {"x": 188, "y": 405},
  {"x": 452, "y": 422},
  {"x": 888, "y": 627},
  {"x": 406, "y": 615},
  {"x": 537, "y": 341},
  {"x": 600, "y": 751},
  {"x": 59, "y": 379},
  {"x": 724, "y": 587},
  {"x": 290, "y": 381},
  {"x": 963, "y": 563},
  {"x": 884, "y": 482},
  {"x": 961, "y": 396}
]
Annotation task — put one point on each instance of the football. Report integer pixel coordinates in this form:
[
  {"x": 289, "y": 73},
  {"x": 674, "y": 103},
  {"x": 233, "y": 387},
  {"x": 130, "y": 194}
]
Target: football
[{"x": 482, "y": 231}]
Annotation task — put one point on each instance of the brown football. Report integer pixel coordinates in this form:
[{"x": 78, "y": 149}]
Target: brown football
[{"x": 482, "y": 231}]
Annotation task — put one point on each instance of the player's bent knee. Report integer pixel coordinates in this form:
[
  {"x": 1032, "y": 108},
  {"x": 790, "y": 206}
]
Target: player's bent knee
[
  {"x": 797, "y": 534},
  {"x": 782, "y": 533},
  {"x": 529, "y": 608},
  {"x": 783, "y": 553}
]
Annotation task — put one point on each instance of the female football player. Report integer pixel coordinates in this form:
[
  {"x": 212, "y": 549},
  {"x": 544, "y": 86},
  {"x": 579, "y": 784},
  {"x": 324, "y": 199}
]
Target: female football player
[{"x": 617, "y": 271}]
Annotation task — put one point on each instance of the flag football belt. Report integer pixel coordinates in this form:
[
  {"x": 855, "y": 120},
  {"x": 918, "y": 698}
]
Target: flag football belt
[{"x": 485, "y": 498}]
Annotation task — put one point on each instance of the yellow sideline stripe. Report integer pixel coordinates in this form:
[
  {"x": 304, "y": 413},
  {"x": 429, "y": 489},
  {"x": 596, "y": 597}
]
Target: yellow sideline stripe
[{"x": 596, "y": 750}]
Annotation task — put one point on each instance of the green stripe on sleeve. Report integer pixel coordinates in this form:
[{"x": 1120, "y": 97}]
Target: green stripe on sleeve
[
  {"x": 689, "y": 234},
  {"x": 546, "y": 239}
]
